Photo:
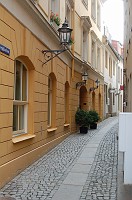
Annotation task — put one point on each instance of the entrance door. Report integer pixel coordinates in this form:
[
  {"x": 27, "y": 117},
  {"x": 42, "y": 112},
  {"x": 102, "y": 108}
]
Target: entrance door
[
  {"x": 100, "y": 105},
  {"x": 93, "y": 101},
  {"x": 83, "y": 100}
]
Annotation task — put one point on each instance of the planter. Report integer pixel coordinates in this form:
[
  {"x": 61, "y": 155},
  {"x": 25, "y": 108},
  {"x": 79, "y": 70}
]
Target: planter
[
  {"x": 93, "y": 126},
  {"x": 83, "y": 129},
  {"x": 54, "y": 25}
]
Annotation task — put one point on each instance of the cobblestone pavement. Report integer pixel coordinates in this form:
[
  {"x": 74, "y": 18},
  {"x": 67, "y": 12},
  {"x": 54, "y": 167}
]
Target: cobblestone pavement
[
  {"x": 102, "y": 179},
  {"x": 42, "y": 179}
]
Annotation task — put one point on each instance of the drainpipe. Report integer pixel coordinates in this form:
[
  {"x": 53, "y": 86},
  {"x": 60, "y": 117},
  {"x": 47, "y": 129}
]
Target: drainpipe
[{"x": 72, "y": 48}]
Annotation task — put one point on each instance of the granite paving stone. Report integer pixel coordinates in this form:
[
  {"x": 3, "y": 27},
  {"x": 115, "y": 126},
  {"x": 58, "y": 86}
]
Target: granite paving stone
[{"x": 83, "y": 166}]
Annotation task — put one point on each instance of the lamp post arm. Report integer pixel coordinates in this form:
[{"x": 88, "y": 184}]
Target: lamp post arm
[{"x": 50, "y": 54}]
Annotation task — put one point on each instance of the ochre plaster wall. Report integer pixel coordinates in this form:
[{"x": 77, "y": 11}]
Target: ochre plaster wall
[{"x": 23, "y": 45}]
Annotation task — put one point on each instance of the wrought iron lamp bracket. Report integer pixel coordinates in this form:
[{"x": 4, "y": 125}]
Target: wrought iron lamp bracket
[
  {"x": 50, "y": 54},
  {"x": 79, "y": 84},
  {"x": 93, "y": 88}
]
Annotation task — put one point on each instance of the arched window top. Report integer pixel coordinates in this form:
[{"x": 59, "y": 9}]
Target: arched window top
[
  {"x": 67, "y": 84},
  {"x": 52, "y": 76},
  {"x": 26, "y": 61}
]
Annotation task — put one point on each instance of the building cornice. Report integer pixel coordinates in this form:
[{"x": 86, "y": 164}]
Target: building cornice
[{"x": 86, "y": 22}]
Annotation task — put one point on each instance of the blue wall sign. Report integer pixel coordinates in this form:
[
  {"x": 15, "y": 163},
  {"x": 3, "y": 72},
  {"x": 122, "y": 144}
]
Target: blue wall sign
[{"x": 4, "y": 50}]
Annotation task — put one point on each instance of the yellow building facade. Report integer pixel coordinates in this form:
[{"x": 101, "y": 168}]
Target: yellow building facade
[{"x": 38, "y": 100}]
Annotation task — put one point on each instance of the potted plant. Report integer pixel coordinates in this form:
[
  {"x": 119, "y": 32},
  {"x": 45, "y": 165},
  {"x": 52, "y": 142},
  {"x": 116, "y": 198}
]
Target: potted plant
[
  {"x": 71, "y": 41},
  {"x": 94, "y": 116},
  {"x": 55, "y": 18},
  {"x": 82, "y": 118}
]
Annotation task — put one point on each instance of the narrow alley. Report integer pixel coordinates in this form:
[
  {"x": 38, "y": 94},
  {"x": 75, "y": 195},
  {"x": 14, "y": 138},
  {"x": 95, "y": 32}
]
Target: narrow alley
[{"x": 83, "y": 166}]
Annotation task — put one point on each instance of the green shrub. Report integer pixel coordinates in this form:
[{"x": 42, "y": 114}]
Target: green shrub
[
  {"x": 94, "y": 116},
  {"x": 82, "y": 118}
]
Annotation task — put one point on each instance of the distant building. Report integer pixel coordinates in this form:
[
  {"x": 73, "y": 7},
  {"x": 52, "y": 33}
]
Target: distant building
[
  {"x": 120, "y": 51},
  {"x": 118, "y": 47},
  {"x": 110, "y": 79}
]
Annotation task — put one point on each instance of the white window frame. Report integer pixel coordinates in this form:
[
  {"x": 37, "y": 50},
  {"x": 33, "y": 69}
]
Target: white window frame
[{"x": 21, "y": 102}]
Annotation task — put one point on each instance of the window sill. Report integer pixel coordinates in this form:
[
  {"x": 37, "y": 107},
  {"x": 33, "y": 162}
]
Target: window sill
[
  {"x": 51, "y": 129},
  {"x": 22, "y": 138},
  {"x": 65, "y": 125}
]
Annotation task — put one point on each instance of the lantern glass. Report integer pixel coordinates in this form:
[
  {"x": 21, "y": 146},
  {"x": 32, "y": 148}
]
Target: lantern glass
[
  {"x": 97, "y": 82},
  {"x": 65, "y": 33},
  {"x": 84, "y": 76}
]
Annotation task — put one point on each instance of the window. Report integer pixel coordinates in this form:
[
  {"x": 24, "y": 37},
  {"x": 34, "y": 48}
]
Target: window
[
  {"x": 85, "y": 45},
  {"x": 68, "y": 15},
  {"x": 85, "y": 3},
  {"x": 93, "y": 55},
  {"x": 110, "y": 67},
  {"x": 113, "y": 99},
  {"x": 86, "y": 25},
  {"x": 106, "y": 94},
  {"x": 98, "y": 16},
  {"x": 98, "y": 59},
  {"x": 121, "y": 76},
  {"x": 118, "y": 74},
  {"x": 93, "y": 9},
  {"x": 106, "y": 59},
  {"x": 69, "y": 7},
  {"x": 114, "y": 68},
  {"x": 20, "y": 103},
  {"x": 55, "y": 6}
]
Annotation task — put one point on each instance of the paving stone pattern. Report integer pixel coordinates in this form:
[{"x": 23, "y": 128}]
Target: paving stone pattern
[
  {"x": 43, "y": 178},
  {"x": 102, "y": 180}
]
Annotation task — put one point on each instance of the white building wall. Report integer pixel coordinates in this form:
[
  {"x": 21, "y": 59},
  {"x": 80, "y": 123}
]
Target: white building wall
[{"x": 111, "y": 82}]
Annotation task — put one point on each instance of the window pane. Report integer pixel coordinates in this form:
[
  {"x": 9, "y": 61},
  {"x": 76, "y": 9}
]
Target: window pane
[
  {"x": 21, "y": 117},
  {"x": 24, "y": 84},
  {"x": 15, "y": 118},
  {"x": 18, "y": 81},
  {"x": 55, "y": 6}
]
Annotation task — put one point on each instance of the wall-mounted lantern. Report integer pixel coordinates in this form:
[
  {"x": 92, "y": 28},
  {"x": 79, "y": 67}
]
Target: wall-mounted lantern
[
  {"x": 112, "y": 90},
  {"x": 65, "y": 40},
  {"x": 97, "y": 85},
  {"x": 84, "y": 80},
  {"x": 115, "y": 91}
]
